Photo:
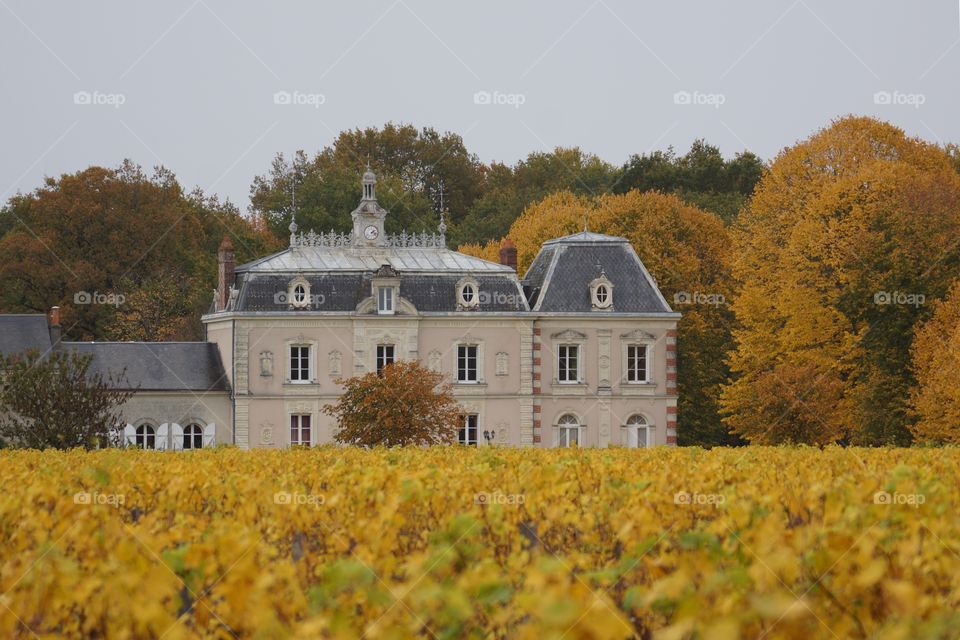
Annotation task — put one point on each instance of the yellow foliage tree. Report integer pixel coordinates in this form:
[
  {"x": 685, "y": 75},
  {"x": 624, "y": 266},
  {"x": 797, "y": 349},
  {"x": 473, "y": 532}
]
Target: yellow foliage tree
[
  {"x": 839, "y": 225},
  {"x": 936, "y": 360}
]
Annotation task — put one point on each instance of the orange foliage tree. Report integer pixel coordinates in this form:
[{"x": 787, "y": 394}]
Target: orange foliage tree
[
  {"x": 936, "y": 359},
  {"x": 406, "y": 404},
  {"x": 845, "y": 238}
]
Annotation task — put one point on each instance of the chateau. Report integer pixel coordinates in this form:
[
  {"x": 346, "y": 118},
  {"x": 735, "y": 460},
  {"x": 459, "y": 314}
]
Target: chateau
[{"x": 580, "y": 350}]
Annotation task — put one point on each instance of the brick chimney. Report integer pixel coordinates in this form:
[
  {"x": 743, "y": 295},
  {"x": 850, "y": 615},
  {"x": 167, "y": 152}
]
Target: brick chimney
[
  {"x": 53, "y": 325},
  {"x": 508, "y": 253},
  {"x": 225, "y": 277}
]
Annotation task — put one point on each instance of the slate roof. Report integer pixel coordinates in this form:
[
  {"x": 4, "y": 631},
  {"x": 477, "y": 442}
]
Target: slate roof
[
  {"x": 559, "y": 277},
  {"x": 23, "y": 332},
  {"x": 298, "y": 259},
  {"x": 343, "y": 292},
  {"x": 158, "y": 366}
]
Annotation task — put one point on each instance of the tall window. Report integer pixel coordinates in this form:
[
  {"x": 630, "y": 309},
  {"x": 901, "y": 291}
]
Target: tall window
[
  {"x": 468, "y": 429},
  {"x": 193, "y": 437},
  {"x": 568, "y": 363},
  {"x": 385, "y": 300},
  {"x": 568, "y": 430},
  {"x": 299, "y": 363},
  {"x": 638, "y": 432},
  {"x": 300, "y": 430},
  {"x": 637, "y": 363},
  {"x": 467, "y": 363},
  {"x": 146, "y": 437},
  {"x": 385, "y": 356}
]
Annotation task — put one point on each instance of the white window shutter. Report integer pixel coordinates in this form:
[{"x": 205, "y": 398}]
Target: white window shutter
[
  {"x": 163, "y": 432},
  {"x": 209, "y": 435},
  {"x": 129, "y": 435},
  {"x": 176, "y": 432}
]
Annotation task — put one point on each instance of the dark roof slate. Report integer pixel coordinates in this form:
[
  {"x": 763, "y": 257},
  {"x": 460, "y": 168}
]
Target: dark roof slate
[
  {"x": 158, "y": 366},
  {"x": 23, "y": 332},
  {"x": 560, "y": 276},
  {"x": 343, "y": 292}
]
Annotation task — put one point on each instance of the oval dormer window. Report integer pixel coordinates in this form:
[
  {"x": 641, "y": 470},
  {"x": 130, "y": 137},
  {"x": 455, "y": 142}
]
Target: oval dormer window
[
  {"x": 468, "y": 293},
  {"x": 603, "y": 294},
  {"x": 299, "y": 295}
]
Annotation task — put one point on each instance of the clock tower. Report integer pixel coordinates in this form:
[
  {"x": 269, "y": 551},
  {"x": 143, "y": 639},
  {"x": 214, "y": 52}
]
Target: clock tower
[{"x": 368, "y": 217}]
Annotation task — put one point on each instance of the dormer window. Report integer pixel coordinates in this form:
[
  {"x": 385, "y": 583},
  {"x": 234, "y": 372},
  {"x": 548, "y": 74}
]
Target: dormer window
[
  {"x": 385, "y": 300},
  {"x": 298, "y": 293},
  {"x": 468, "y": 293},
  {"x": 601, "y": 293}
]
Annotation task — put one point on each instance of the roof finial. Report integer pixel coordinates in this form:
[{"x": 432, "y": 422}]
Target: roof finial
[
  {"x": 293, "y": 201},
  {"x": 586, "y": 221},
  {"x": 442, "y": 227}
]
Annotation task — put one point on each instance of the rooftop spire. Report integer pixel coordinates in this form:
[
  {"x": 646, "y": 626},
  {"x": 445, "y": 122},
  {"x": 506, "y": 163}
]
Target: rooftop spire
[
  {"x": 369, "y": 184},
  {"x": 293, "y": 203}
]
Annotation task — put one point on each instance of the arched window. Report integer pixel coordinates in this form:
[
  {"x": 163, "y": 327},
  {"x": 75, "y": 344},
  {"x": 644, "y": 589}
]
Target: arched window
[
  {"x": 639, "y": 432},
  {"x": 568, "y": 430},
  {"x": 193, "y": 437},
  {"x": 146, "y": 437},
  {"x": 468, "y": 293}
]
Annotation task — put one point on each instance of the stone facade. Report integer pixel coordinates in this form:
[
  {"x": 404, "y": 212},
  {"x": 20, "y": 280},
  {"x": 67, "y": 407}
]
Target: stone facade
[{"x": 583, "y": 349}]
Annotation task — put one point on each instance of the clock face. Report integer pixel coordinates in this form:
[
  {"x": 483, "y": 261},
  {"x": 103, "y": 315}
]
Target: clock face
[{"x": 371, "y": 232}]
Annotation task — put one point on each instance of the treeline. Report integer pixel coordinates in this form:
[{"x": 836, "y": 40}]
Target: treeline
[
  {"x": 420, "y": 171},
  {"x": 819, "y": 292}
]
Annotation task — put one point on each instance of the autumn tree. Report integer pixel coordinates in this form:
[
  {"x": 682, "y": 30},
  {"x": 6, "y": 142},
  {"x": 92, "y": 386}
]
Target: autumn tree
[
  {"x": 845, "y": 238},
  {"x": 55, "y": 401},
  {"x": 686, "y": 251},
  {"x": 405, "y": 404},
  {"x": 935, "y": 401},
  {"x": 109, "y": 232}
]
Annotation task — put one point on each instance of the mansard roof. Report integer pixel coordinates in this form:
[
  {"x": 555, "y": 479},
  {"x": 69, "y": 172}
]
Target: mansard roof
[
  {"x": 157, "y": 366},
  {"x": 343, "y": 291},
  {"x": 559, "y": 277}
]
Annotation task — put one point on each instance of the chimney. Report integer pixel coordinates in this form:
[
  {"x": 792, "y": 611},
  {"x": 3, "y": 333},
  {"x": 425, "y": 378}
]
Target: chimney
[
  {"x": 225, "y": 264},
  {"x": 53, "y": 325},
  {"x": 508, "y": 253}
]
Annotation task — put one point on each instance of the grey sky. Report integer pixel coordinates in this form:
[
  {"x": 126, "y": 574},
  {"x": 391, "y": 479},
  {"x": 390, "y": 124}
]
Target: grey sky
[{"x": 197, "y": 79}]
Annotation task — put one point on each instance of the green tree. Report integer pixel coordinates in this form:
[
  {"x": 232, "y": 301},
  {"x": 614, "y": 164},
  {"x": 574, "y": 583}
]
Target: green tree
[{"x": 411, "y": 165}]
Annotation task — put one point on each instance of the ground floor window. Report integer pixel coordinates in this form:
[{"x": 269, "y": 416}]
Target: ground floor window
[
  {"x": 639, "y": 433},
  {"x": 568, "y": 431},
  {"x": 146, "y": 437},
  {"x": 193, "y": 437},
  {"x": 468, "y": 429},
  {"x": 300, "y": 430}
]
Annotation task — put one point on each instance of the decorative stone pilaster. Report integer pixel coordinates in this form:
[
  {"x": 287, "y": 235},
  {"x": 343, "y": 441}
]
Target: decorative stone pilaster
[
  {"x": 671, "y": 387},
  {"x": 535, "y": 350},
  {"x": 527, "y": 366},
  {"x": 241, "y": 390}
]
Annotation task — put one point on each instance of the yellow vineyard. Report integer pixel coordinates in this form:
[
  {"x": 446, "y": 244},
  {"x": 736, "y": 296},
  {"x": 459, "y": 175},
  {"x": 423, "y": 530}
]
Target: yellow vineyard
[{"x": 452, "y": 543}]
